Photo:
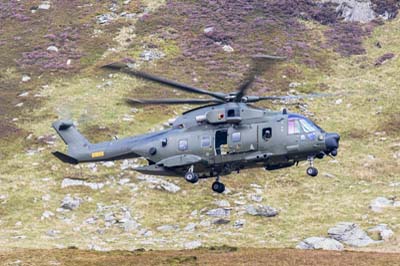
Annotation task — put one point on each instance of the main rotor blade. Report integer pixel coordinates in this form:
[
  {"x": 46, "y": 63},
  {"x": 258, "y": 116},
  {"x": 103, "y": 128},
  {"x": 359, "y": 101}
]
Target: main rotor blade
[
  {"x": 253, "y": 99},
  {"x": 260, "y": 64},
  {"x": 132, "y": 101},
  {"x": 124, "y": 68}
]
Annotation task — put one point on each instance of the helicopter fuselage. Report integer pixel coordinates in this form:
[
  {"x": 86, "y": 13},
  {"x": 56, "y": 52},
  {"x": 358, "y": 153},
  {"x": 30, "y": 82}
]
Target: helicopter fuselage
[{"x": 212, "y": 141}]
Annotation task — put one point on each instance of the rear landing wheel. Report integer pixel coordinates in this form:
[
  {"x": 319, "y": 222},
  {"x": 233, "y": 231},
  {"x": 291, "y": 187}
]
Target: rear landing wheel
[
  {"x": 191, "y": 177},
  {"x": 312, "y": 171},
  {"x": 218, "y": 187}
]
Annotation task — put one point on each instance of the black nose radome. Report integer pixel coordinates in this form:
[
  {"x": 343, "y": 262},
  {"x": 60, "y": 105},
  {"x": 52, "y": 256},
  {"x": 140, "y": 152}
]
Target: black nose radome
[{"x": 332, "y": 143}]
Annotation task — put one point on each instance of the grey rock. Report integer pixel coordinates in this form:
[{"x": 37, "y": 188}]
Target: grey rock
[
  {"x": 105, "y": 18},
  {"x": 221, "y": 221},
  {"x": 355, "y": 10},
  {"x": 70, "y": 203},
  {"x": 208, "y": 30},
  {"x": 128, "y": 164},
  {"x": 320, "y": 243},
  {"x": 256, "y": 198},
  {"x": 152, "y": 54},
  {"x": 262, "y": 210},
  {"x": 110, "y": 217},
  {"x": 130, "y": 225},
  {"x": 52, "y": 232},
  {"x": 228, "y": 48},
  {"x": 239, "y": 223},
  {"x": 68, "y": 182},
  {"x": 52, "y": 48},
  {"x": 145, "y": 232},
  {"x": 108, "y": 164},
  {"x": 380, "y": 203},
  {"x": 45, "y": 5},
  {"x": 167, "y": 227},
  {"x": 160, "y": 184},
  {"x": 124, "y": 181},
  {"x": 91, "y": 220},
  {"x": 383, "y": 231},
  {"x": 190, "y": 227},
  {"x": 97, "y": 248},
  {"x": 46, "y": 197},
  {"x": 25, "y": 78},
  {"x": 219, "y": 212},
  {"x": 170, "y": 187},
  {"x": 222, "y": 203},
  {"x": 46, "y": 215},
  {"x": 192, "y": 244},
  {"x": 205, "y": 223},
  {"x": 350, "y": 234}
]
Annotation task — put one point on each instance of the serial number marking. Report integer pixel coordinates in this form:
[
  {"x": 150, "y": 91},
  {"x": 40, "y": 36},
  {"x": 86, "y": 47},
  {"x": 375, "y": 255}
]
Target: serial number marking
[{"x": 97, "y": 154}]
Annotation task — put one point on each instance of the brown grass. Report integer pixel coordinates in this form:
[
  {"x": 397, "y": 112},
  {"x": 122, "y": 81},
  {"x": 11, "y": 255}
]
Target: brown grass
[{"x": 284, "y": 257}]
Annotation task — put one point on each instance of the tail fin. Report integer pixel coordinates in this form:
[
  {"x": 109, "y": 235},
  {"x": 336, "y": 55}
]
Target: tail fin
[{"x": 69, "y": 134}]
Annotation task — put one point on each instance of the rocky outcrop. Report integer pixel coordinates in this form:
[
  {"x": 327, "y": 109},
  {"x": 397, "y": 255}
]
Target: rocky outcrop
[
  {"x": 320, "y": 243},
  {"x": 381, "y": 232},
  {"x": 380, "y": 203},
  {"x": 262, "y": 210},
  {"x": 355, "y": 10},
  {"x": 350, "y": 234}
]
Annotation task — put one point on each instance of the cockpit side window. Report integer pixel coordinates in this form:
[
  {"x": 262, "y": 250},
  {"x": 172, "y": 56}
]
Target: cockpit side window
[
  {"x": 307, "y": 127},
  {"x": 293, "y": 126}
]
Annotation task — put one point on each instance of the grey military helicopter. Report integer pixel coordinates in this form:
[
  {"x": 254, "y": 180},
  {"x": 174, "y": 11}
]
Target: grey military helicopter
[{"x": 225, "y": 134}]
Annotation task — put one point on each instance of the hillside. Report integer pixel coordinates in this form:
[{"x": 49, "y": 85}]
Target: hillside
[{"x": 51, "y": 54}]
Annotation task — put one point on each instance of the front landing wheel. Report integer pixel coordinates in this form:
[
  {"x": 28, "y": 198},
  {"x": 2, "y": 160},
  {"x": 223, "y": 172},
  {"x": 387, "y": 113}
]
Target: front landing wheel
[
  {"x": 218, "y": 187},
  {"x": 191, "y": 177},
  {"x": 312, "y": 171}
]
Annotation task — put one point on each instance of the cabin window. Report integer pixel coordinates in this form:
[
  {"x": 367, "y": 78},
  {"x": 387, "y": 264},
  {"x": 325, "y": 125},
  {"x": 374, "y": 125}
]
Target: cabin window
[
  {"x": 236, "y": 137},
  {"x": 267, "y": 133},
  {"x": 293, "y": 126},
  {"x": 183, "y": 145},
  {"x": 205, "y": 141},
  {"x": 231, "y": 113}
]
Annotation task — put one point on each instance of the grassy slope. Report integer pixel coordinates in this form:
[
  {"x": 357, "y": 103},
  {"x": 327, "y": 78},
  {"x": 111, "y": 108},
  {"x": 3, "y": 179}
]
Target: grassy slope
[{"x": 309, "y": 206}]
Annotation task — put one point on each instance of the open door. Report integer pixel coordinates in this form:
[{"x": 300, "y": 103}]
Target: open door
[{"x": 221, "y": 141}]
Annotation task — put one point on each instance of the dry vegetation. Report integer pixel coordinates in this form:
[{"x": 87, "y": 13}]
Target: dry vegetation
[{"x": 223, "y": 256}]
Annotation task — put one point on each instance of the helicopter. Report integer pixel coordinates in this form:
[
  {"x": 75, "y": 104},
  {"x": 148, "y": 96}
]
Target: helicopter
[{"x": 225, "y": 134}]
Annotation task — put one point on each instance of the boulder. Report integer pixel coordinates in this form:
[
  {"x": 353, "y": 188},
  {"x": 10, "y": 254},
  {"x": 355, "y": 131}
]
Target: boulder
[
  {"x": 167, "y": 227},
  {"x": 221, "y": 221},
  {"x": 222, "y": 203},
  {"x": 192, "y": 244},
  {"x": 68, "y": 182},
  {"x": 350, "y": 234},
  {"x": 219, "y": 212},
  {"x": 320, "y": 243},
  {"x": 381, "y": 231},
  {"x": 262, "y": 210},
  {"x": 150, "y": 55},
  {"x": 160, "y": 184},
  {"x": 239, "y": 223},
  {"x": 190, "y": 227},
  {"x": 46, "y": 215},
  {"x": 70, "y": 203},
  {"x": 355, "y": 10},
  {"x": 256, "y": 198},
  {"x": 379, "y": 203}
]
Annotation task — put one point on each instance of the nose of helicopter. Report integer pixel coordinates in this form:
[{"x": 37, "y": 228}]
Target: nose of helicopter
[{"x": 332, "y": 143}]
